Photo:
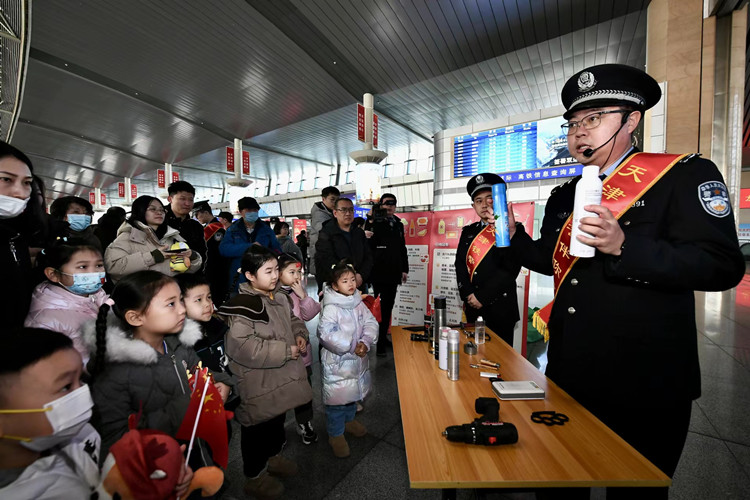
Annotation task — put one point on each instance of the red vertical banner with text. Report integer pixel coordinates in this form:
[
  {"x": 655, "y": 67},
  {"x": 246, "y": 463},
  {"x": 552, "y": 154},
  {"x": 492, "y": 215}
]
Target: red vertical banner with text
[
  {"x": 133, "y": 191},
  {"x": 411, "y": 297},
  {"x": 246, "y": 162},
  {"x": 360, "y": 123},
  {"x": 230, "y": 160},
  {"x": 161, "y": 179},
  {"x": 745, "y": 198},
  {"x": 375, "y": 131},
  {"x": 299, "y": 225},
  {"x": 92, "y": 197},
  {"x": 103, "y": 199},
  {"x": 175, "y": 176},
  {"x": 121, "y": 189}
]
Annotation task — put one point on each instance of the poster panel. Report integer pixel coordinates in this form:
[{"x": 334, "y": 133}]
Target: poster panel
[
  {"x": 299, "y": 225},
  {"x": 411, "y": 297}
]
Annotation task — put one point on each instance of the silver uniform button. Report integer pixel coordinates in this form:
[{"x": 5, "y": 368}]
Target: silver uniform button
[
  {"x": 626, "y": 223},
  {"x": 574, "y": 282},
  {"x": 505, "y": 295},
  {"x": 571, "y": 310}
]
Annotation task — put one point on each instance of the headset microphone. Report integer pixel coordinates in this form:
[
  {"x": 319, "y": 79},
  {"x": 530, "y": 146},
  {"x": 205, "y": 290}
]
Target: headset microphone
[{"x": 588, "y": 153}]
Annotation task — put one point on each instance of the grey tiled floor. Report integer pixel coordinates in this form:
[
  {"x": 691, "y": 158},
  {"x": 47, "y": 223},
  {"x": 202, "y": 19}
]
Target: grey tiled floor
[{"x": 714, "y": 465}]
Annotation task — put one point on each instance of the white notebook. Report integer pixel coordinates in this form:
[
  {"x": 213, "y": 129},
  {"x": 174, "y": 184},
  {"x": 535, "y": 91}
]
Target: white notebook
[{"x": 525, "y": 389}]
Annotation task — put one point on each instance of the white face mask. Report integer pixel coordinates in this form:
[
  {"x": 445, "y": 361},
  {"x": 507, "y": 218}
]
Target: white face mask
[
  {"x": 11, "y": 207},
  {"x": 67, "y": 415}
]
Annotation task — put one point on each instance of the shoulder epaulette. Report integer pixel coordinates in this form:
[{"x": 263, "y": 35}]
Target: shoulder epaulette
[
  {"x": 248, "y": 306},
  {"x": 690, "y": 157}
]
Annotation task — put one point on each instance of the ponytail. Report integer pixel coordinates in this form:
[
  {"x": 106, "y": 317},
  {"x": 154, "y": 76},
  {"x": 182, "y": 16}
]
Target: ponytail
[{"x": 97, "y": 365}]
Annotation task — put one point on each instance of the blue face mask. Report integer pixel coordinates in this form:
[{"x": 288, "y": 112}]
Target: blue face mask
[
  {"x": 79, "y": 222},
  {"x": 85, "y": 283},
  {"x": 251, "y": 217}
]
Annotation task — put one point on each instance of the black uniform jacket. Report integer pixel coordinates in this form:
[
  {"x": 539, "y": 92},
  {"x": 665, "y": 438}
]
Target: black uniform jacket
[
  {"x": 388, "y": 246},
  {"x": 624, "y": 327},
  {"x": 333, "y": 246},
  {"x": 191, "y": 230},
  {"x": 494, "y": 281}
]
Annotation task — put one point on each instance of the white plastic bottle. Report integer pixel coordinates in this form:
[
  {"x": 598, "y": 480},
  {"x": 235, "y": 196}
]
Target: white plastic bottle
[
  {"x": 479, "y": 331},
  {"x": 443, "y": 354},
  {"x": 588, "y": 192}
]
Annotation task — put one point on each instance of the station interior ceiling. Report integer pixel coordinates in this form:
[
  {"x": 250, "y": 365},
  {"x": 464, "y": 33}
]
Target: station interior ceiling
[{"x": 116, "y": 89}]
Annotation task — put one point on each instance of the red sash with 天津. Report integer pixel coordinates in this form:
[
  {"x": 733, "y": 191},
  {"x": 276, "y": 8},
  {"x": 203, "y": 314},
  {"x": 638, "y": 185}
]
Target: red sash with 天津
[
  {"x": 626, "y": 185},
  {"x": 479, "y": 248}
]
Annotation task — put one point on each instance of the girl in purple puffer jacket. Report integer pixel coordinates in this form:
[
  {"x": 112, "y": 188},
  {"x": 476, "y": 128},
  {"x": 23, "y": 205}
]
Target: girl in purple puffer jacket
[
  {"x": 305, "y": 308},
  {"x": 72, "y": 293}
]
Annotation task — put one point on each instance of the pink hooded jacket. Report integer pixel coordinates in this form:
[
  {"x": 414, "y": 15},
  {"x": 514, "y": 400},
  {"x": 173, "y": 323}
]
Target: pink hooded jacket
[
  {"x": 305, "y": 309},
  {"x": 55, "y": 308}
]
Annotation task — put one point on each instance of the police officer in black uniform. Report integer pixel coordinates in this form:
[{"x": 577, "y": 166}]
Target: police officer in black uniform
[
  {"x": 490, "y": 291},
  {"x": 623, "y": 338}
]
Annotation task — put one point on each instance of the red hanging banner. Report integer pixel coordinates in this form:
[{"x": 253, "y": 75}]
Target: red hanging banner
[
  {"x": 175, "y": 176},
  {"x": 375, "y": 131},
  {"x": 246, "y": 162},
  {"x": 161, "y": 178},
  {"x": 104, "y": 198},
  {"x": 92, "y": 198},
  {"x": 121, "y": 189},
  {"x": 230, "y": 160},
  {"x": 133, "y": 191},
  {"x": 360, "y": 123},
  {"x": 745, "y": 198}
]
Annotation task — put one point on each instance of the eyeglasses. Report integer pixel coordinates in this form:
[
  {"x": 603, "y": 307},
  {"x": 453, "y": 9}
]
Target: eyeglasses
[
  {"x": 156, "y": 210},
  {"x": 345, "y": 210},
  {"x": 588, "y": 122},
  {"x": 389, "y": 203}
]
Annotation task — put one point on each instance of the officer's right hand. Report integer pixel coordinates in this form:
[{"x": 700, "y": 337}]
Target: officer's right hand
[{"x": 473, "y": 301}]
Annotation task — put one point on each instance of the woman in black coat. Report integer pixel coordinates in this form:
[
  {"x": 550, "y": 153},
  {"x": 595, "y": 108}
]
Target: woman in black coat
[{"x": 18, "y": 220}]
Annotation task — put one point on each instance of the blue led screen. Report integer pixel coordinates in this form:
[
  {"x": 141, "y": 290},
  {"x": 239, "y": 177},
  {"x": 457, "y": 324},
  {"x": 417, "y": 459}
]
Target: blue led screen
[{"x": 527, "y": 151}]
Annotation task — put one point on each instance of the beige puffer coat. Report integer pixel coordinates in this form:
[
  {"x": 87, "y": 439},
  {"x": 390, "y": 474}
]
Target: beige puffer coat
[
  {"x": 262, "y": 330},
  {"x": 133, "y": 250}
]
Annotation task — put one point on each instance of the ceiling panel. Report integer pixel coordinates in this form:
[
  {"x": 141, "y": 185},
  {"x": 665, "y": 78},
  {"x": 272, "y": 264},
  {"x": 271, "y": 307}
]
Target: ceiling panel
[{"x": 521, "y": 81}]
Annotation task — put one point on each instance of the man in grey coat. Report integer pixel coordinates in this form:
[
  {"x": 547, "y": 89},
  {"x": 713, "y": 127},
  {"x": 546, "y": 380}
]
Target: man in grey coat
[{"x": 321, "y": 212}]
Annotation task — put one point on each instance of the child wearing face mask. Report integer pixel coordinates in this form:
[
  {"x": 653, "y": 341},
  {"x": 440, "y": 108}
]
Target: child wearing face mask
[
  {"x": 305, "y": 308},
  {"x": 346, "y": 331},
  {"x": 141, "y": 351},
  {"x": 47, "y": 447},
  {"x": 264, "y": 344},
  {"x": 72, "y": 292}
]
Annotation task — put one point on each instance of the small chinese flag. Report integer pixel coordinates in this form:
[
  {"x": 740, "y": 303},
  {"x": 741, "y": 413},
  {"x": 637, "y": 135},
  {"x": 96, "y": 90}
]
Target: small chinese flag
[{"x": 212, "y": 426}]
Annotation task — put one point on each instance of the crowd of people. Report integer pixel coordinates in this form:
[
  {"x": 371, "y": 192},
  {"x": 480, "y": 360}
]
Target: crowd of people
[{"x": 116, "y": 315}]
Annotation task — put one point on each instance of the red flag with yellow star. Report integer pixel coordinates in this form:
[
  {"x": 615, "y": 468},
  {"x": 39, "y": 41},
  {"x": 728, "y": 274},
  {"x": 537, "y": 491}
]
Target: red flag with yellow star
[{"x": 212, "y": 423}]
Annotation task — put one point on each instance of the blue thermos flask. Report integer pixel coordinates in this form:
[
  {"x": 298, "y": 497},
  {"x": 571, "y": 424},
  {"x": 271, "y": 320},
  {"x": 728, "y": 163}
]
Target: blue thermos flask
[{"x": 500, "y": 206}]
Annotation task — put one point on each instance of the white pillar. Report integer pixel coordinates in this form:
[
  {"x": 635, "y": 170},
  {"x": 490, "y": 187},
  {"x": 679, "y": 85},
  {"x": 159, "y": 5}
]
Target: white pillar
[{"x": 367, "y": 101}]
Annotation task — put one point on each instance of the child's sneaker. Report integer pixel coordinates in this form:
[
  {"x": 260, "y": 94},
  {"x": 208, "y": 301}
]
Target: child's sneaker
[
  {"x": 307, "y": 433},
  {"x": 339, "y": 445}
]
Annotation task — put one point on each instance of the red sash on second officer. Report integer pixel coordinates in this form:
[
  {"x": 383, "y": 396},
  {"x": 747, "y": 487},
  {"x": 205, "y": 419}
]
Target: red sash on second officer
[
  {"x": 626, "y": 185},
  {"x": 479, "y": 248}
]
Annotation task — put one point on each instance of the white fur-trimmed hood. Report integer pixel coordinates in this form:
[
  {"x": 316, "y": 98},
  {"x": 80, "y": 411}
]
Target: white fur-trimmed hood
[{"x": 121, "y": 348}]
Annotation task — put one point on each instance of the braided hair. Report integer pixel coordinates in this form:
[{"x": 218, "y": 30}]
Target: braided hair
[{"x": 134, "y": 292}]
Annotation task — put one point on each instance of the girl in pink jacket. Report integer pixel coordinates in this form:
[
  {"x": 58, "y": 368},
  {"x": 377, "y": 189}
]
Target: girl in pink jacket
[
  {"x": 305, "y": 308},
  {"x": 72, "y": 293}
]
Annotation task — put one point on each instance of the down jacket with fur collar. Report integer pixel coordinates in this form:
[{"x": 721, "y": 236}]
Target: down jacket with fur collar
[{"x": 136, "y": 374}]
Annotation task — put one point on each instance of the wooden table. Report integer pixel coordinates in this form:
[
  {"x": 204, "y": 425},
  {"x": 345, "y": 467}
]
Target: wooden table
[{"x": 583, "y": 452}]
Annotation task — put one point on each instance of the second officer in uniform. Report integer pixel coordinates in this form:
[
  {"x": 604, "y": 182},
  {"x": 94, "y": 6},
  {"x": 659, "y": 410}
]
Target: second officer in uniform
[{"x": 487, "y": 274}]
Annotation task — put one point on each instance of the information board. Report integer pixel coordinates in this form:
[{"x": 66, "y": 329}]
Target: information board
[{"x": 527, "y": 151}]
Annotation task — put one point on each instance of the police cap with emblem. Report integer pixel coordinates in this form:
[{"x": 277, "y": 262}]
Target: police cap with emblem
[
  {"x": 202, "y": 206},
  {"x": 481, "y": 182},
  {"x": 609, "y": 85}
]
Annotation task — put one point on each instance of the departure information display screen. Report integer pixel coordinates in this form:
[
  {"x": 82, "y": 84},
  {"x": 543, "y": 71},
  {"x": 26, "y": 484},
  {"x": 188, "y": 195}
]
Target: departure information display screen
[{"x": 527, "y": 151}]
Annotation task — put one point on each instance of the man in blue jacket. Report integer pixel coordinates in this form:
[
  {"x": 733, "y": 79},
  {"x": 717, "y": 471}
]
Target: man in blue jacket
[{"x": 248, "y": 230}]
